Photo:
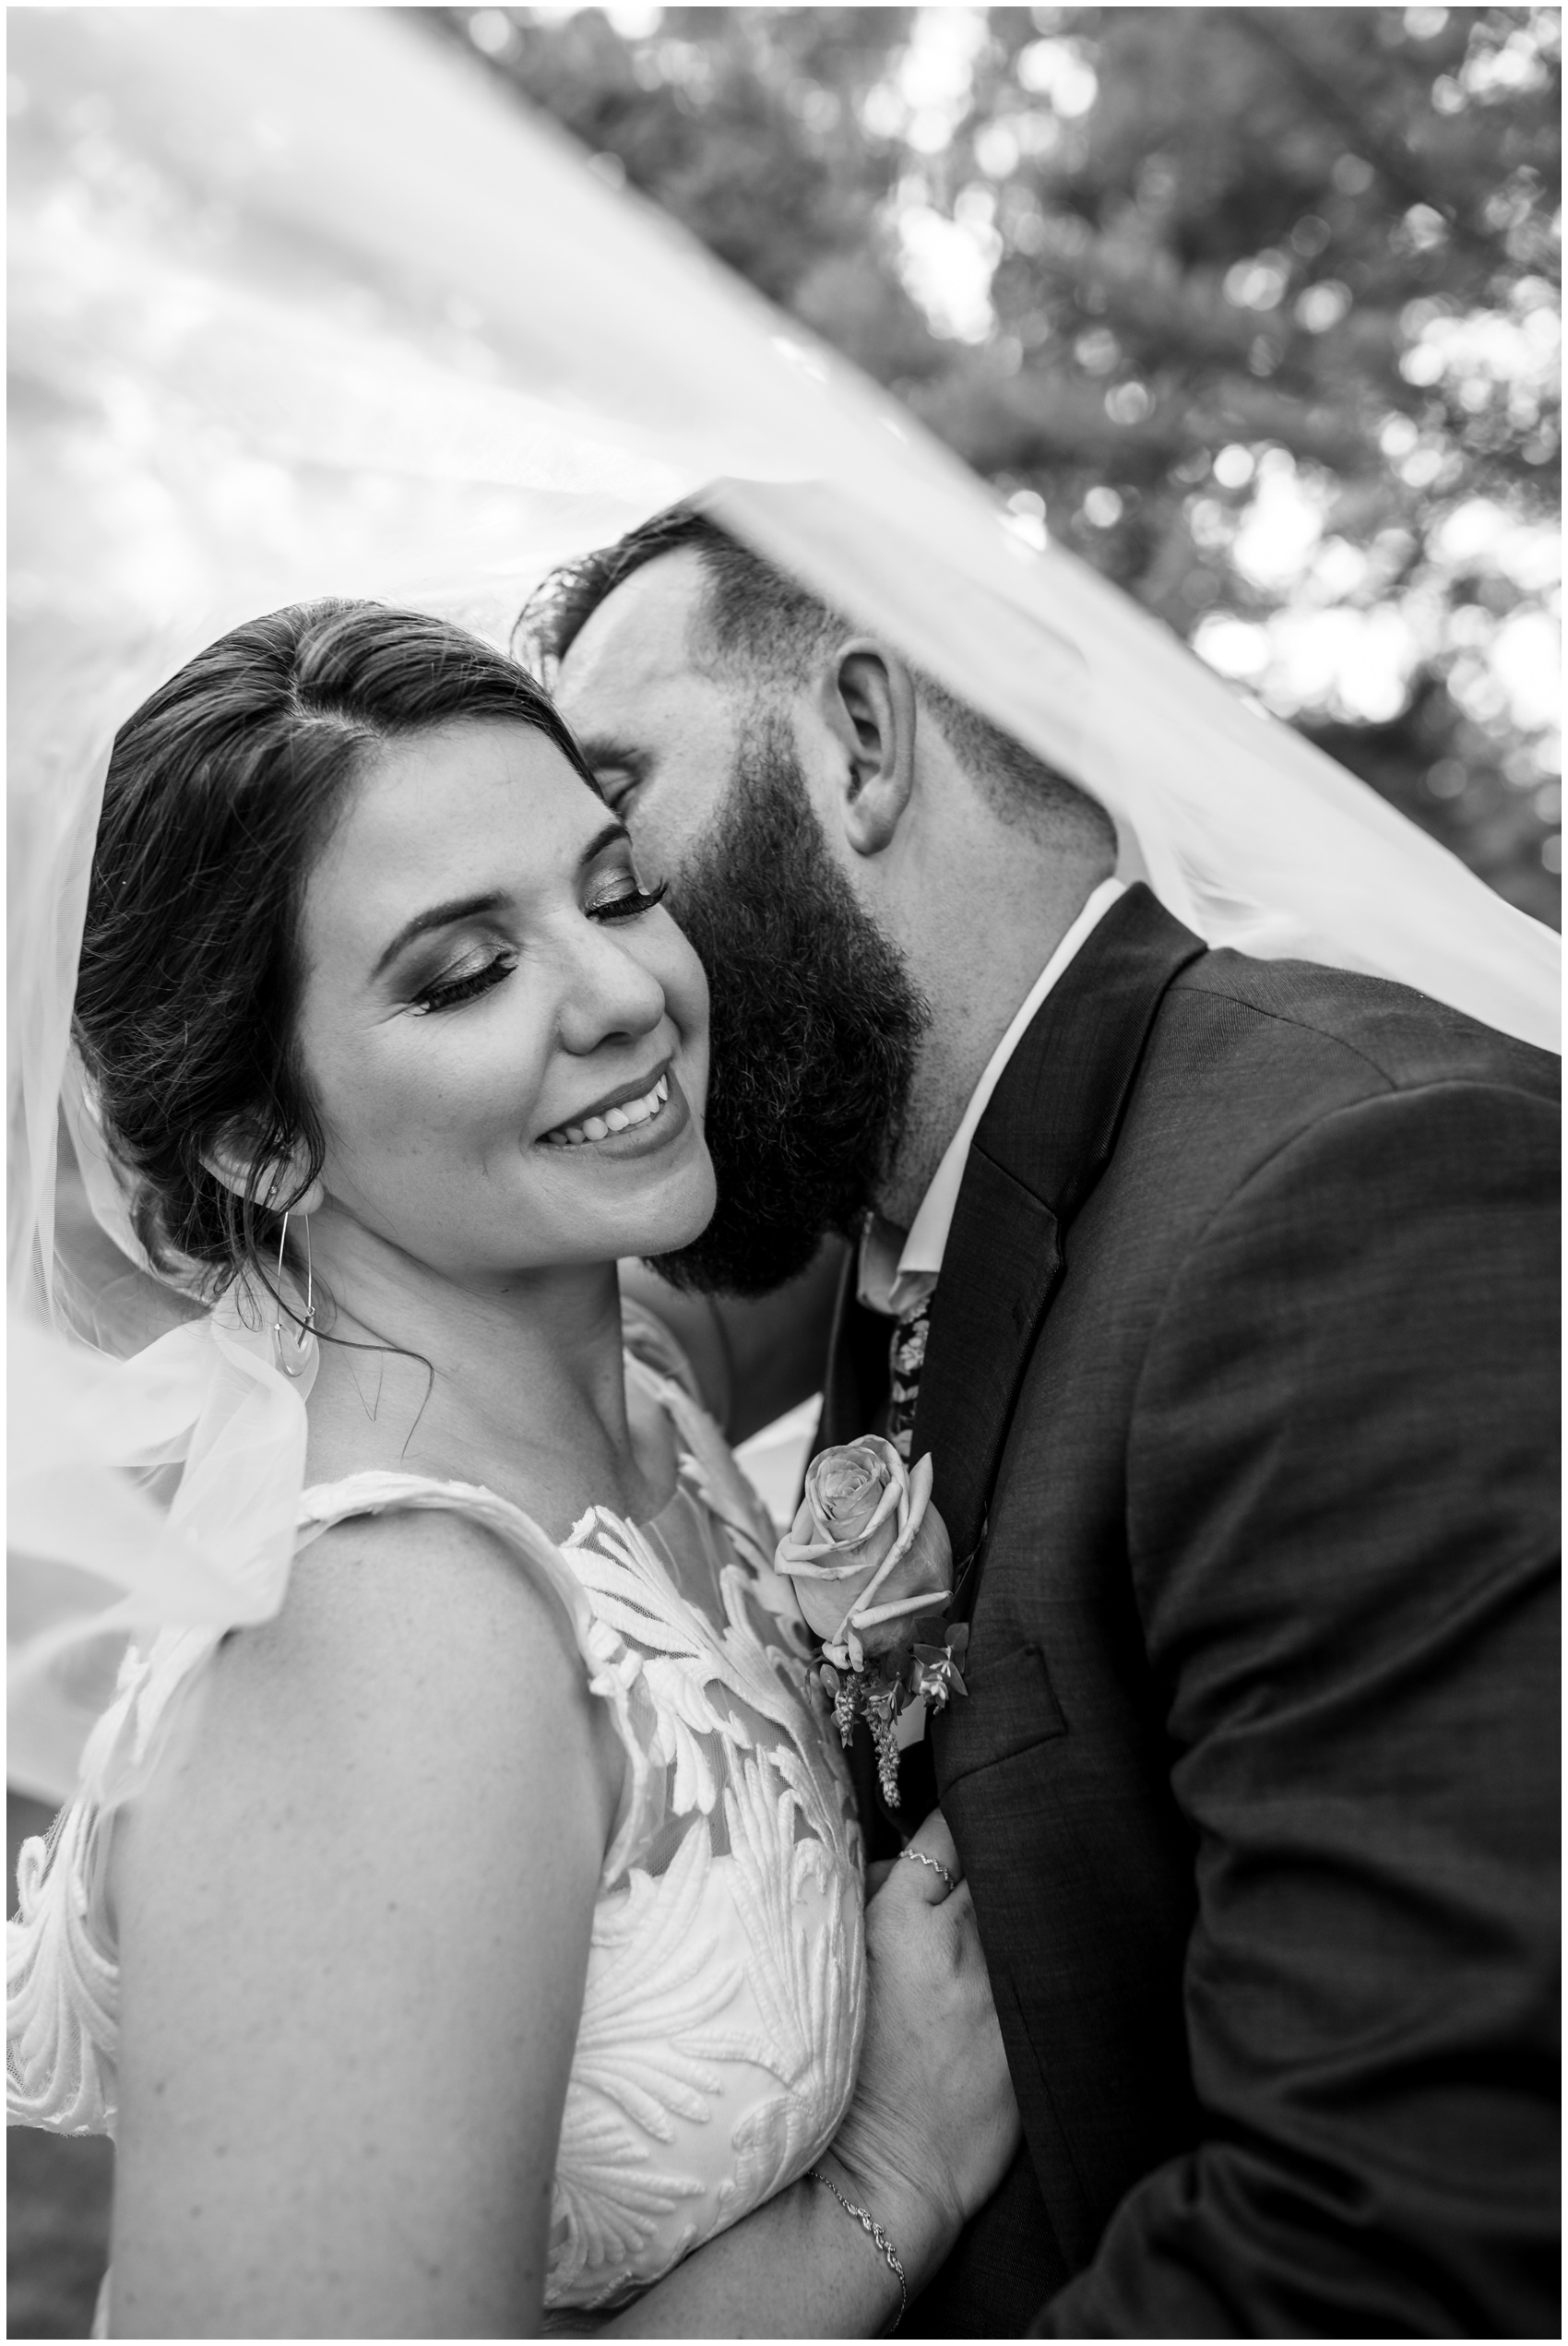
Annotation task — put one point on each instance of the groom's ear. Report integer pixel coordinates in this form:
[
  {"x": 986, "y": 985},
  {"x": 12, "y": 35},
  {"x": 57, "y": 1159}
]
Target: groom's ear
[{"x": 869, "y": 705}]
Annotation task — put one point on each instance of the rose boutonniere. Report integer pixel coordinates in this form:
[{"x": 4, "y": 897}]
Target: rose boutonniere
[{"x": 868, "y": 1551}]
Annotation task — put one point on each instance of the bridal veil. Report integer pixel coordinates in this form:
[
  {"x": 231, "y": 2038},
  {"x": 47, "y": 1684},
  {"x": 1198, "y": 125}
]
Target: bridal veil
[{"x": 303, "y": 303}]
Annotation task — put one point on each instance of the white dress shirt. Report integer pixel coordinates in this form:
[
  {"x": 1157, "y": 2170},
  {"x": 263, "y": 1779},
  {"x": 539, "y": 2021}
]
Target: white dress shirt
[{"x": 897, "y": 1272}]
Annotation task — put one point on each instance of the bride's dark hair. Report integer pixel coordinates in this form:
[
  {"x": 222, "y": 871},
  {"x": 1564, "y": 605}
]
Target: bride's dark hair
[{"x": 222, "y": 793}]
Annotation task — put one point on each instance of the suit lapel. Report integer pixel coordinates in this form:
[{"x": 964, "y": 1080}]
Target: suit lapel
[
  {"x": 981, "y": 1329},
  {"x": 1043, "y": 1142}
]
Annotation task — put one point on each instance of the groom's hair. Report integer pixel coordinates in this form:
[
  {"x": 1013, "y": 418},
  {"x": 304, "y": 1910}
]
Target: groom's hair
[{"x": 761, "y": 626}]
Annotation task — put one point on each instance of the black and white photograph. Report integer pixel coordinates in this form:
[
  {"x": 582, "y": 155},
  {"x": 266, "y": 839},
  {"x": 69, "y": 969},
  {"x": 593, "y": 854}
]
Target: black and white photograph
[{"x": 784, "y": 1171}]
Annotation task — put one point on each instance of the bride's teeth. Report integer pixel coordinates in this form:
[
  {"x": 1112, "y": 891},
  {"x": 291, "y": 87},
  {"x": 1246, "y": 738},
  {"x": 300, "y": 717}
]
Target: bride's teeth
[{"x": 630, "y": 1114}]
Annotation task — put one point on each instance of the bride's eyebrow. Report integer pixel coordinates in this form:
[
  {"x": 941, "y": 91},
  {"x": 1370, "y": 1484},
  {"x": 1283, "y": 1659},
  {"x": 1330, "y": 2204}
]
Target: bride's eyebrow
[{"x": 469, "y": 908}]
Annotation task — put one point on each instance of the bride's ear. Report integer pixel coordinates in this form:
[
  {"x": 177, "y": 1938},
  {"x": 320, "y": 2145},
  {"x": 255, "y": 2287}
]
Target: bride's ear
[
  {"x": 869, "y": 708},
  {"x": 231, "y": 1162}
]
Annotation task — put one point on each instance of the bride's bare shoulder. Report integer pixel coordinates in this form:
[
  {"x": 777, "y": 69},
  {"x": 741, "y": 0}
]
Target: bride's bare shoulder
[
  {"x": 431, "y": 1589},
  {"x": 415, "y": 1653}
]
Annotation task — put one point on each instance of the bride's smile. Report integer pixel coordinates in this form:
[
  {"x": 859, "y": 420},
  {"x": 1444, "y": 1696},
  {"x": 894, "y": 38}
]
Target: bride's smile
[{"x": 629, "y": 1109}]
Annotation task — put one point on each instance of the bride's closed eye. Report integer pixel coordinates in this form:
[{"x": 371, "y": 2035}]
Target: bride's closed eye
[
  {"x": 628, "y": 903},
  {"x": 447, "y": 993}
]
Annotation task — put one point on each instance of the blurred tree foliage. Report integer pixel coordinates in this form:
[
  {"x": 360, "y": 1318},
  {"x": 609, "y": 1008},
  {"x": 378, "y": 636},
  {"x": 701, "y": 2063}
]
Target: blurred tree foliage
[{"x": 1256, "y": 308}]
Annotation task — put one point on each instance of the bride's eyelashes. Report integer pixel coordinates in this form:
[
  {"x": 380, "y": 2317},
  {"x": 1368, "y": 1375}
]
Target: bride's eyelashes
[
  {"x": 626, "y": 906},
  {"x": 447, "y": 993}
]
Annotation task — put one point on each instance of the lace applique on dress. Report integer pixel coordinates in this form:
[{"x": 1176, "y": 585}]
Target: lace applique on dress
[{"x": 720, "y": 2027}]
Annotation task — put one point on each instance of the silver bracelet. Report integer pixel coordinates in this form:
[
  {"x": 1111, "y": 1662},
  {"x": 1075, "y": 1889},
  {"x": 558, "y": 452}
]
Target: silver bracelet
[{"x": 869, "y": 2223}]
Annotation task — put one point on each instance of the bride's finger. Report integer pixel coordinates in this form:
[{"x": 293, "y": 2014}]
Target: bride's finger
[
  {"x": 936, "y": 1882},
  {"x": 934, "y": 1840}
]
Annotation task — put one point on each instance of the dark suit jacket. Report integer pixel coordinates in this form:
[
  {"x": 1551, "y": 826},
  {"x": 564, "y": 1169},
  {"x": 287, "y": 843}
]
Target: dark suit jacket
[{"x": 1240, "y": 1382}]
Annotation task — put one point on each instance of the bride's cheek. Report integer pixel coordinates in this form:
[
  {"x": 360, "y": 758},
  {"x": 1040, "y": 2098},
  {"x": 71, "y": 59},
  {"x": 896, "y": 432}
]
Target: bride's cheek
[{"x": 685, "y": 987}]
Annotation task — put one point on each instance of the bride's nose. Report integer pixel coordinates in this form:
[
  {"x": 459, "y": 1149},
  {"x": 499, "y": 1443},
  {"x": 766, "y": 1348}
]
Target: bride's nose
[{"x": 606, "y": 992}]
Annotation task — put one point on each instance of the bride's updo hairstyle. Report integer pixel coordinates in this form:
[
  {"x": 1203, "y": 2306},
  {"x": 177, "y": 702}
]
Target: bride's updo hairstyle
[{"x": 222, "y": 793}]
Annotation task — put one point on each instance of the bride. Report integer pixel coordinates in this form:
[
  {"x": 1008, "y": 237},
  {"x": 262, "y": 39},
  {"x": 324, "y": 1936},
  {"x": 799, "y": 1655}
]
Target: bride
[{"x": 484, "y": 1951}]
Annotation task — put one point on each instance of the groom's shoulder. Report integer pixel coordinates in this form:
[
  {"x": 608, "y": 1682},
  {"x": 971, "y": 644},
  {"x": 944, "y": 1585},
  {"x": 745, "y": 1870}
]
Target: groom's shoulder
[{"x": 1304, "y": 1029}]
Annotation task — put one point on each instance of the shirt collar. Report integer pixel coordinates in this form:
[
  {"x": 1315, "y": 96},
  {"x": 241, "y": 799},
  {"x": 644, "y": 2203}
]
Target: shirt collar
[{"x": 897, "y": 1269}]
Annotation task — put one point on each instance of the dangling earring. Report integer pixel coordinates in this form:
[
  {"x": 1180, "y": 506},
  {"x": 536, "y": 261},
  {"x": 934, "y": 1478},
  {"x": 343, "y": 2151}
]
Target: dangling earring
[{"x": 307, "y": 1327}]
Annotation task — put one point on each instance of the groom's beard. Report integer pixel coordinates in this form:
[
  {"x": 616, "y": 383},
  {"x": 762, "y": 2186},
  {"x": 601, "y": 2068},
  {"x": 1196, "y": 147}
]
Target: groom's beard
[{"x": 816, "y": 1022}]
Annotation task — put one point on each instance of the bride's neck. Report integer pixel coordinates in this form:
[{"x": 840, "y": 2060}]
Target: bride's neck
[{"x": 514, "y": 1380}]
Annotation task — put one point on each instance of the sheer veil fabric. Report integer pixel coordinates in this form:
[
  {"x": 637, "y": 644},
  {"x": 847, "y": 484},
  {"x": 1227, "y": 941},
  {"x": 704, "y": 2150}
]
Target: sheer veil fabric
[{"x": 303, "y": 305}]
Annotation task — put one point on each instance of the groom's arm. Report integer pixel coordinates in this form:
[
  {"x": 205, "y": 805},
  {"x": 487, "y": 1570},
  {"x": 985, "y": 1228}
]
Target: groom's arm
[
  {"x": 755, "y": 1357},
  {"x": 1343, "y": 1512}
]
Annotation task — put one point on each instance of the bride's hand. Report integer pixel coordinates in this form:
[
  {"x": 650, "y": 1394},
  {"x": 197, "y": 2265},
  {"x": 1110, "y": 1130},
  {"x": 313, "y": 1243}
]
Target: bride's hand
[{"x": 933, "y": 2124}]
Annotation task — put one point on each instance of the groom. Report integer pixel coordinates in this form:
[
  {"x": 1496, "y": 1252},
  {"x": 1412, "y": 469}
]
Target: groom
[{"x": 1235, "y": 1283}]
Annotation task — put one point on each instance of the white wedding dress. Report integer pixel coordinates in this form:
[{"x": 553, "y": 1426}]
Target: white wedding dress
[{"x": 721, "y": 2023}]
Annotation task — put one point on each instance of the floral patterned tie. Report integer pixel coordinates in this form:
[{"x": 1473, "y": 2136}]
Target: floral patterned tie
[{"x": 906, "y": 1356}]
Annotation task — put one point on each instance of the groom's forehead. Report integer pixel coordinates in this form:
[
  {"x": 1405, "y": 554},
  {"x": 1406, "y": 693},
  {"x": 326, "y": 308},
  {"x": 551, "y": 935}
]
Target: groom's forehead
[
  {"x": 643, "y": 640},
  {"x": 637, "y": 691}
]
